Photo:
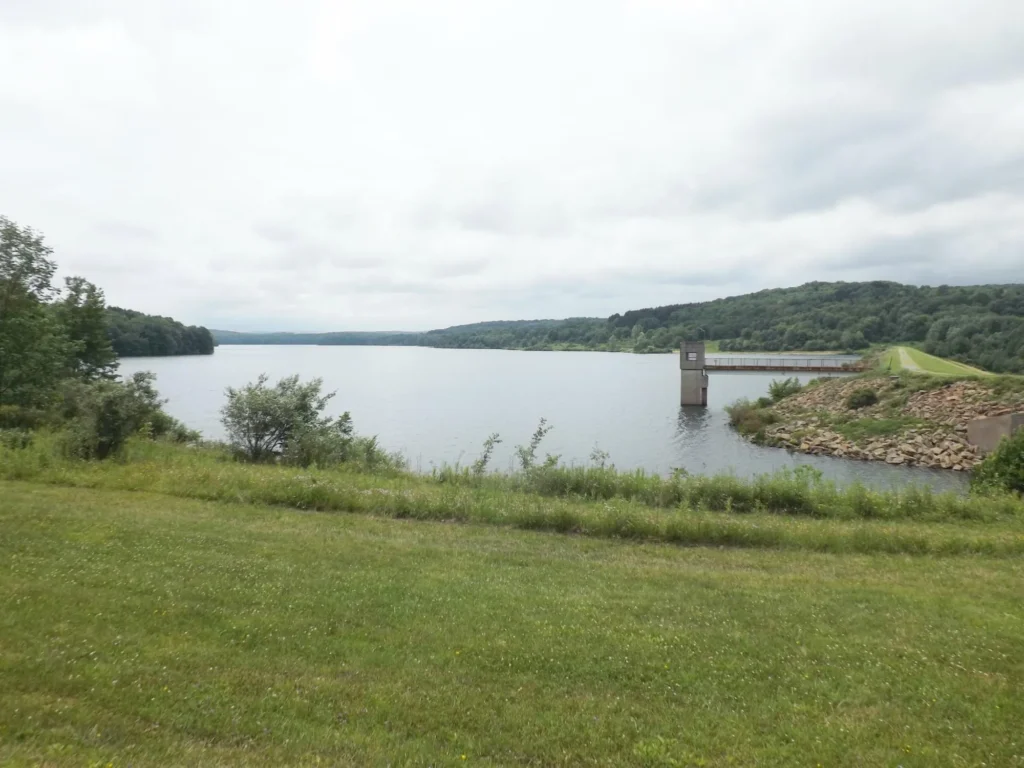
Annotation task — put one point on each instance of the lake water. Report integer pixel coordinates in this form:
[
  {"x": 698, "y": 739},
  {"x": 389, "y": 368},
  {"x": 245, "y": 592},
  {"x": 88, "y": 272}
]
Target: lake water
[{"x": 437, "y": 406}]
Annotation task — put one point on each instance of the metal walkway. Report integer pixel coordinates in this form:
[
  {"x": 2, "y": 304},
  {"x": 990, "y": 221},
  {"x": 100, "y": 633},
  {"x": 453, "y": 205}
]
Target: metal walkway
[{"x": 778, "y": 363}]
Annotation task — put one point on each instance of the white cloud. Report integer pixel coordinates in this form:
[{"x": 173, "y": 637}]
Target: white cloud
[{"x": 392, "y": 164}]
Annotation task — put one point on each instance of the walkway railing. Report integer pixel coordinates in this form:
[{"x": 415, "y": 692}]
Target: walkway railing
[{"x": 778, "y": 363}]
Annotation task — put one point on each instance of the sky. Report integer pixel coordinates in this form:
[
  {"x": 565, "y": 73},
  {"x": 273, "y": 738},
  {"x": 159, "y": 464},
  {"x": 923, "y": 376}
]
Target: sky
[{"x": 403, "y": 165}]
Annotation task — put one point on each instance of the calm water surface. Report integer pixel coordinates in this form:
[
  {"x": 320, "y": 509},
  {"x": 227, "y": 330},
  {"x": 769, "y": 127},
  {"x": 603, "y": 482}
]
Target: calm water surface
[{"x": 437, "y": 406}]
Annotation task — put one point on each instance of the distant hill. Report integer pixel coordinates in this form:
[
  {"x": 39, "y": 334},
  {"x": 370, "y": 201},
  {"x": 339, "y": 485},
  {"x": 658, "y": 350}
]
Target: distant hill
[
  {"x": 136, "y": 334},
  {"x": 499, "y": 334},
  {"x": 979, "y": 325},
  {"x": 345, "y": 338}
]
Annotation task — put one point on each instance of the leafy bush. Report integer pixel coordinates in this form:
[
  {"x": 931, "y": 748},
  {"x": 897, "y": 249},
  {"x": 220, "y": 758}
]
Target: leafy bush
[
  {"x": 286, "y": 422},
  {"x": 17, "y": 417},
  {"x": 783, "y": 388},
  {"x": 160, "y": 425},
  {"x": 101, "y": 415},
  {"x": 749, "y": 418},
  {"x": 861, "y": 398},
  {"x": 1003, "y": 469},
  {"x": 367, "y": 454},
  {"x": 321, "y": 445}
]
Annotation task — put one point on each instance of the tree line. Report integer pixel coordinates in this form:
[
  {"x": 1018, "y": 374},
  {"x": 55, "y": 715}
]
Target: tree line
[
  {"x": 135, "y": 334},
  {"x": 574, "y": 333},
  {"x": 978, "y": 325}
]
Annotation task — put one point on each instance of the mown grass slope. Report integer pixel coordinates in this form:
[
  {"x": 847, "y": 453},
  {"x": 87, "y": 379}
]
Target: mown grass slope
[
  {"x": 146, "y": 630},
  {"x": 937, "y": 365},
  {"x": 902, "y": 358}
]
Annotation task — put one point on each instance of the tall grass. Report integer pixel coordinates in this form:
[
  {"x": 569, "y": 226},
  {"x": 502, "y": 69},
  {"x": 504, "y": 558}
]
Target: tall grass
[
  {"x": 780, "y": 389},
  {"x": 800, "y": 492},
  {"x": 751, "y": 418},
  {"x": 787, "y": 510}
]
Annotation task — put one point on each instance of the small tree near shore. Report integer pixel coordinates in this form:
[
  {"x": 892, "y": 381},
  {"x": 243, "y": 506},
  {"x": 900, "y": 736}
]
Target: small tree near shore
[{"x": 285, "y": 421}]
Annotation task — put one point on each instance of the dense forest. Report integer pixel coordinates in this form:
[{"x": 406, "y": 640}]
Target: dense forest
[
  {"x": 134, "y": 334},
  {"x": 979, "y": 325}
]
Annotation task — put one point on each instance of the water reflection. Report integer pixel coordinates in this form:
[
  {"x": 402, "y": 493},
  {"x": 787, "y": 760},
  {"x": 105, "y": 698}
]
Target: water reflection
[{"x": 692, "y": 420}]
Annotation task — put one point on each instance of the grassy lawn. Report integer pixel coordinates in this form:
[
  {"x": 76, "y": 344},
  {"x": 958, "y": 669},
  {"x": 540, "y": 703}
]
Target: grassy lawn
[{"x": 147, "y": 630}]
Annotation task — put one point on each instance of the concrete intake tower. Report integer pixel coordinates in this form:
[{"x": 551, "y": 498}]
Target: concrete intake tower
[{"x": 694, "y": 376}]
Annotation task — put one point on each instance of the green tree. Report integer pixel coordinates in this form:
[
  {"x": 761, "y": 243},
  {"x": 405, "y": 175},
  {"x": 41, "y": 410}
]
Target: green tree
[
  {"x": 83, "y": 313},
  {"x": 795, "y": 338},
  {"x": 33, "y": 346}
]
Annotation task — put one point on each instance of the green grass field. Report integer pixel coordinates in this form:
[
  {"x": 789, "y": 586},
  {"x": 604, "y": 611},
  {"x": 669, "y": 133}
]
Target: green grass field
[
  {"x": 140, "y": 629},
  {"x": 910, "y": 359}
]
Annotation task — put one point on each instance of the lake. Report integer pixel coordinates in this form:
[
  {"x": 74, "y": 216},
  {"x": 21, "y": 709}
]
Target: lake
[{"x": 437, "y": 406}]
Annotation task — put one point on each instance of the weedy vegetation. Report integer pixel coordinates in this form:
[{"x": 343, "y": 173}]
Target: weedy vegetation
[
  {"x": 780, "y": 389},
  {"x": 861, "y": 398},
  {"x": 751, "y": 417}
]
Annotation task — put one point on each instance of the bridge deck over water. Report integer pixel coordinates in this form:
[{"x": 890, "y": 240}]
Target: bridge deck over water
[{"x": 821, "y": 364}]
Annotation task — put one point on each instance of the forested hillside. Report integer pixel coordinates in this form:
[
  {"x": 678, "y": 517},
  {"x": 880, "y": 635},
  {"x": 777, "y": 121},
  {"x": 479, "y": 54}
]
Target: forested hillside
[
  {"x": 576, "y": 332},
  {"x": 979, "y": 325},
  {"x": 134, "y": 334}
]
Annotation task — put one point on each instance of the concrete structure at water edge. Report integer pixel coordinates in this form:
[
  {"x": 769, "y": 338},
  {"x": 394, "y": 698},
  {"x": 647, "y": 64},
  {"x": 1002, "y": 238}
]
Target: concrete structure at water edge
[
  {"x": 988, "y": 433},
  {"x": 694, "y": 375}
]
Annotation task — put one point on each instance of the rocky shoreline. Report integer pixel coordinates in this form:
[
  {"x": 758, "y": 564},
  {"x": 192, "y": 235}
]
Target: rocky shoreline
[
  {"x": 916, "y": 422},
  {"x": 915, "y": 448}
]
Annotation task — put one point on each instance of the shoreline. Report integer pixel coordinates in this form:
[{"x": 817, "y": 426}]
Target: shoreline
[{"x": 914, "y": 420}]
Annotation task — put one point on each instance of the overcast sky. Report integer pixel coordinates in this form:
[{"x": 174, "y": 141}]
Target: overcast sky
[{"x": 401, "y": 164}]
